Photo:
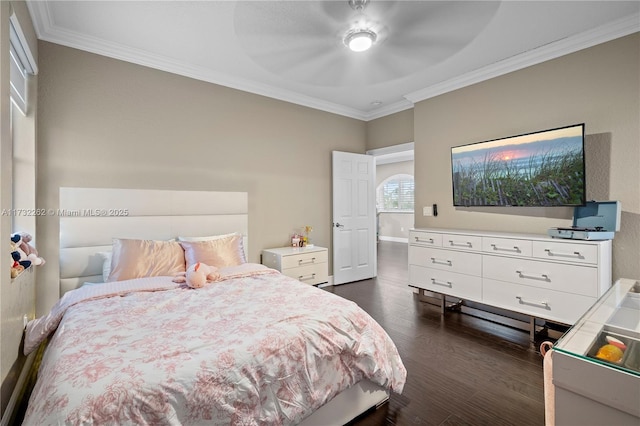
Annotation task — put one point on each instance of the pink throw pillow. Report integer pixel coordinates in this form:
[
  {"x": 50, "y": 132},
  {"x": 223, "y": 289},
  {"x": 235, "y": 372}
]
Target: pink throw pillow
[{"x": 145, "y": 258}]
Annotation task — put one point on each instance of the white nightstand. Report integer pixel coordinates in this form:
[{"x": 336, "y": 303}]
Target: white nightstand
[{"x": 307, "y": 264}]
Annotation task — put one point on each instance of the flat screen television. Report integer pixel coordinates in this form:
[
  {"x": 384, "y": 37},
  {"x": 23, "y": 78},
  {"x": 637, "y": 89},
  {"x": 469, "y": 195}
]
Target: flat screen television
[{"x": 539, "y": 169}]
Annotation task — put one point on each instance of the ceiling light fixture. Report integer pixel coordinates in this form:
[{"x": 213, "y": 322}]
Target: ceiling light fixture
[{"x": 360, "y": 40}]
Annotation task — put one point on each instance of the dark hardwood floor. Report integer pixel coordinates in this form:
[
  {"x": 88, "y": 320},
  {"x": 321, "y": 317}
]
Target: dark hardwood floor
[{"x": 462, "y": 370}]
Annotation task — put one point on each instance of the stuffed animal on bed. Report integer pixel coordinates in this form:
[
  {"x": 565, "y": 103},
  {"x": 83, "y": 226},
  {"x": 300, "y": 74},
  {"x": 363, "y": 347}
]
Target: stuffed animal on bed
[
  {"x": 22, "y": 240},
  {"x": 198, "y": 275}
]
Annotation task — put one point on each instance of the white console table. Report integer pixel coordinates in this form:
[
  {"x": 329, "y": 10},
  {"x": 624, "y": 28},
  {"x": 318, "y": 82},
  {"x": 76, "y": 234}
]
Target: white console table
[{"x": 536, "y": 275}]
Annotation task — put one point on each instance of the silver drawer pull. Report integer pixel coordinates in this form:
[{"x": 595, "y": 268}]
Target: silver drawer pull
[
  {"x": 525, "y": 302},
  {"x": 465, "y": 244},
  {"x": 306, "y": 277},
  {"x": 441, "y": 261},
  {"x": 564, "y": 253},
  {"x": 446, "y": 284},
  {"x": 543, "y": 277},
  {"x": 429, "y": 241},
  {"x": 303, "y": 261},
  {"x": 514, "y": 248}
]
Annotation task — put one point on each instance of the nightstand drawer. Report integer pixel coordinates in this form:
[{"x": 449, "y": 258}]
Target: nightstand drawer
[
  {"x": 309, "y": 274},
  {"x": 307, "y": 264},
  {"x": 304, "y": 259}
]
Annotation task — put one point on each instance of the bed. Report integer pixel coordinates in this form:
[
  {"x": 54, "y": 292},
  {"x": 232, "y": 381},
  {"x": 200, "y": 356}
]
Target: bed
[{"x": 253, "y": 347}]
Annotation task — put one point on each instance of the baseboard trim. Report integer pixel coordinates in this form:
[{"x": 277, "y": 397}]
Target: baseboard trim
[
  {"x": 328, "y": 283},
  {"x": 394, "y": 239}
]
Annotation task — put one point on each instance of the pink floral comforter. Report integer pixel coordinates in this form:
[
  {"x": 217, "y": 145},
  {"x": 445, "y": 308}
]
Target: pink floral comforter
[{"x": 255, "y": 348}]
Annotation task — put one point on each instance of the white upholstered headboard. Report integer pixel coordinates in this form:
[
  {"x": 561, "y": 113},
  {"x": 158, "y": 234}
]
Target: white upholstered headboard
[{"x": 91, "y": 217}]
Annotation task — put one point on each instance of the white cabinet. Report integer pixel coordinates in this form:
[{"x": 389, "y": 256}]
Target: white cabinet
[
  {"x": 446, "y": 271},
  {"x": 536, "y": 275},
  {"x": 307, "y": 264},
  {"x": 589, "y": 390}
]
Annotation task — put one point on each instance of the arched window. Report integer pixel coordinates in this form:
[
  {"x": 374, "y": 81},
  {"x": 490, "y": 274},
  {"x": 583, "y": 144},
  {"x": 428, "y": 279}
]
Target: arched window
[{"x": 396, "y": 193}]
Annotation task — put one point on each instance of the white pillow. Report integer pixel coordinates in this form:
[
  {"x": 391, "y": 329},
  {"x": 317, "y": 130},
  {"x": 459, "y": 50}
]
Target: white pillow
[
  {"x": 218, "y": 252},
  {"x": 106, "y": 264},
  {"x": 209, "y": 238}
]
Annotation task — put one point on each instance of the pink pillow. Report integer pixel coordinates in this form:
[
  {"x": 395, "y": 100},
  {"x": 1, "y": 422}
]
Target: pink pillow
[
  {"x": 220, "y": 252},
  {"x": 145, "y": 258}
]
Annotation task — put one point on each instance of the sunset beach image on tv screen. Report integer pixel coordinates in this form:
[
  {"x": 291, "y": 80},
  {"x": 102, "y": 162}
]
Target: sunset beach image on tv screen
[{"x": 536, "y": 169}]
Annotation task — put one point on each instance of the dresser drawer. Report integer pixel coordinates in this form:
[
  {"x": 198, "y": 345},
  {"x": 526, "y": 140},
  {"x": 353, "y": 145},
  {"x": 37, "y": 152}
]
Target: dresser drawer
[
  {"x": 446, "y": 260},
  {"x": 507, "y": 246},
  {"x": 303, "y": 259},
  {"x": 462, "y": 242},
  {"x": 446, "y": 282},
  {"x": 426, "y": 239},
  {"x": 576, "y": 279},
  {"x": 566, "y": 251},
  {"x": 308, "y": 274},
  {"x": 538, "y": 302}
]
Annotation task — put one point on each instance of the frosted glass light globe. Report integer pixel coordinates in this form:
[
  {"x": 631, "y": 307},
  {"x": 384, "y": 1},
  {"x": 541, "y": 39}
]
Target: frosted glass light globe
[{"x": 360, "y": 40}]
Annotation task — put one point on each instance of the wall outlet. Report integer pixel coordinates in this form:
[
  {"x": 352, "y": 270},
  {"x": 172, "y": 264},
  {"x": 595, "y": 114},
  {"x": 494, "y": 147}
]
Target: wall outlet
[{"x": 427, "y": 211}]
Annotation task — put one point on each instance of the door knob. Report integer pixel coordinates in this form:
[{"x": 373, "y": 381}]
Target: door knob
[{"x": 339, "y": 226}]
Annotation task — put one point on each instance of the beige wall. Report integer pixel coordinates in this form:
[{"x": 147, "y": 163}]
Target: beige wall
[
  {"x": 385, "y": 171},
  {"x": 108, "y": 123},
  {"x": 5, "y": 191},
  {"x": 599, "y": 86},
  {"x": 391, "y": 130},
  {"x": 17, "y": 297}
]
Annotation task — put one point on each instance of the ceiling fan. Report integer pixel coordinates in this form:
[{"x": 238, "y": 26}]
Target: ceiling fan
[
  {"x": 307, "y": 41},
  {"x": 360, "y": 37}
]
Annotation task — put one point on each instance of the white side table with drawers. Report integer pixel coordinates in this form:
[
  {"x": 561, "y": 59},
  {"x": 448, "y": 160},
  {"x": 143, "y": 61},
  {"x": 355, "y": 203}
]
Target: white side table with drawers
[{"x": 307, "y": 264}]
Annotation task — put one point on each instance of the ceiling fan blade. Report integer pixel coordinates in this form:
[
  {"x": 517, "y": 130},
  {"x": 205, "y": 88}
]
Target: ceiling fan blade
[{"x": 302, "y": 40}]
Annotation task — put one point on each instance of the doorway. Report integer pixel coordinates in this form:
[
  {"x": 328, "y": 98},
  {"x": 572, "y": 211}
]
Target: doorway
[
  {"x": 394, "y": 192},
  {"x": 343, "y": 272}
]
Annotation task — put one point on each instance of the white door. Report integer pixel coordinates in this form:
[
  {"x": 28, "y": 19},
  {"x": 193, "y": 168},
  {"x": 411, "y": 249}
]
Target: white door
[{"x": 354, "y": 217}]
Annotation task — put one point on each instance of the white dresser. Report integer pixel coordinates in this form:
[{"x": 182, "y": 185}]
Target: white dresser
[
  {"x": 543, "y": 277},
  {"x": 307, "y": 264}
]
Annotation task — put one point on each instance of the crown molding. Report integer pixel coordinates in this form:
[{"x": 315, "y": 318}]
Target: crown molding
[
  {"x": 602, "y": 34},
  {"x": 41, "y": 17},
  {"x": 399, "y": 106},
  {"x": 47, "y": 31}
]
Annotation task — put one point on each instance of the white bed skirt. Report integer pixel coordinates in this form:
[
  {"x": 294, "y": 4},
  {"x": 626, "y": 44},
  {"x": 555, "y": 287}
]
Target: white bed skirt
[{"x": 348, "y": 405}]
